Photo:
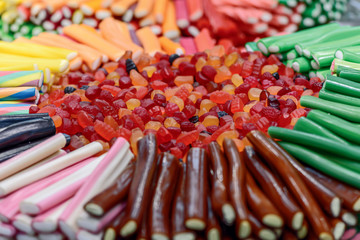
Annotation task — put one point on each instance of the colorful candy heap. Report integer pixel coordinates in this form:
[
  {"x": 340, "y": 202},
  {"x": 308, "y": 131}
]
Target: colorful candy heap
[
  {"x": 218, "y": 20},
  {"x": 194, "y": 99},
  {"x": 313, "y": 51},
  {"x": 47, "y": 193}
]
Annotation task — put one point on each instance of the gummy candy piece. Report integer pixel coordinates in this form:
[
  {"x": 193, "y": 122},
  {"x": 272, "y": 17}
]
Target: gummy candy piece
[
  {"x": 252, "y": 81},
  {"x": 92, "y": 92},
  {"x": 171, "y": 108},
  {"x": 163, "y": 135},
  {"x": 84, "y": 119},
  {"x": 104, "y": 130},
  {"x": 220, "y": 97},
  {"x": 254, "y": 94},
  {"x": 269, "y": 68},
  {"x": 231, "y": 59},
  {"x": 230, "y": 88},
  {"x": 153, "y": 125},
  {"x": 273, "y": 90},
  {"x": 272, "y": 114},
  {"x": 133, "y": 103},
  {"x": 180, "y": 80},
  {"x": 263, "y": 124},
  {"x": 48, "y": 109},
  {"x": 200, "y": 64},
  {"x": 182, "y": 93},
  {"x": 207, "y": 104},
  {"x": 187, "y": 126},
  {"x": 171, "y": 122},
  {"x": 137, "y": 79},
  {"x": 141, "y": 92},
  {"x": 298, "y": 113},
  {"x": 237, "y": 105},
  {"x": 237, "y": 80},
  {"x": 136, "y": 134},
  {"x": 222, "y": 129},
  {"x": 227, "y": 134},
  {"x": 223, "y": 73},
  {"x": 109, "y": 120},
  {"x": 208, "y": 72},
  {"x": 57, "y": 121},
  {"x": 188, "y": 137},
  {"x": 210, "y": 121},
  {"x": 247, "y": 69},
  {"x": 214, "y": 61}
]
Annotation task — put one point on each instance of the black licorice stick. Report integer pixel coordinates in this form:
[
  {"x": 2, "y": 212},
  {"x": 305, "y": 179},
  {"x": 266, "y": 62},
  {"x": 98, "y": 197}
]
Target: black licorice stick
[
  {"x": 6, "y": 120},
  {"x": 26, "y": 131},
  {"x": 12, "y": 152}
]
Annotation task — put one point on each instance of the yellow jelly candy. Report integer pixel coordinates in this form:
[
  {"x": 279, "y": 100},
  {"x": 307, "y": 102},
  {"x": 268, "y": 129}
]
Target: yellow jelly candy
[
  {"x": 248, "y": 106},
  {"x": 153, "y": 93},
  {"x": 210, "y": 121},
  {"x": 178, "y": 101},
  {"x": 227, "y": 134},
  {"x": 133, "y": 103},
  {"x": 200, "y": 63},
  {"x": 207, "y": 104},
  {"x": 237, "y": 80},
  {"x": 273, "y": 90},
  {"x": 149, "y": 70},
  {"x": 180, "y": 80},
  {"x": 171, "y": 122},
  {"x": 153, "y": 125},
  {"x": 231, "y": 59},
  {"x": 223, "y": 73},
  {"x": 254, "y": 94},
  {"x": 136, "y": 134},
  {"x": 269, "y": 68},
  {"x": 229, "y": 88},
  {"x": 137, "y": 79}
]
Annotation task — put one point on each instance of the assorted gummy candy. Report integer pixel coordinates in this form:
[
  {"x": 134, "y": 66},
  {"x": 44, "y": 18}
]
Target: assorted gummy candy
[{"x": 186, "y": 100}]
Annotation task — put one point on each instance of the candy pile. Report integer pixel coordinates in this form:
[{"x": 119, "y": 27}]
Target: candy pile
[
  {"x": 81, "y": 196},
  {"x": 218, "y": 20},
  {"x": 313, "y": 51},
  {"x": 194, "y": 99}
]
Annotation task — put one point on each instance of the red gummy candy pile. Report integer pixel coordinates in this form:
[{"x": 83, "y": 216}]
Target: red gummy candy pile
[{"x": 191, "y": 101}]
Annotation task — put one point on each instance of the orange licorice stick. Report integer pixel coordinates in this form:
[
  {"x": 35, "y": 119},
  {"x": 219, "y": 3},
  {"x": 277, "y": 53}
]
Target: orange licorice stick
[
  {"x": 143, "y": 8},
  {"x": 204, "y": 41},
  {"x": 85, "y": 36},
  {"x": 89, "y": 55},
  {"x": 89, "y": 8},
  {"x": 195, "y": 8},
  {"x": 148, "y": 20},
  {"x": 75, "y": 64},
  {"x": 124, "y": 29},
  {"x": 111, "y": 31},
  {"x": 159, "y": 10},
  {"x": 119, "y": 7},
  {"x": 37, "y": 7},
  {"x": 149, "y": 40},
  {"x": 52, "y": 6},
  {"x": 170, "y": 28},
  {"x": 171, "y": 47}
]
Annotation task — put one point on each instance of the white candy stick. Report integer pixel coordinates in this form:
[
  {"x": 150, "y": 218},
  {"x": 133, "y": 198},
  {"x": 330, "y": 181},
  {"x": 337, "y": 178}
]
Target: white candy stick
[
  {"x": 13, "y": 183},
  {"x": 110, "y": 167},
  {"x": 51, "y": 236},
  {"x": 58, "y": 192},
  {"x": 32, "y": 155},
  {"x": 22, "y": 222},
  {"x": 7, "y": 230}
]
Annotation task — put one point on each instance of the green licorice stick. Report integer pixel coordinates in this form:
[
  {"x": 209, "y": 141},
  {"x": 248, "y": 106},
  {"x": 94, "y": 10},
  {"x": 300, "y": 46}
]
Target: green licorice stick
[
  {"x": 323, "y": 164},
  {"x": 301, "y": 65},
  {"x": 314, "y": 64},
  {"x": 351, "y": 75},
  {"x": 353, "y": 49},
  {"x": 348, "y": 112},
  {"x": 337, "y": 97},
  {"x": 322, "y": 73},
  {"x": 342, "y": 86},
  {"x": 289, "y": 63},
  {"x": 324, "y": 58},
  {"x": 251, "y": 47},
  {"x": 292, "y": 54},
  {"x": 313, "y": 10},
  {"x": 347, "y": 55},
  {"x": 264, "y": 43},
  {"x": 307, "y": 22},
  {"x": 316, "y": 142},
  {"x": 312, "y": 73},
  {"x": 338, "y": 62},
  {"x": 289, "y": 3},
  {"x": 339, "y": 126},
  {"x": 304, "y": 124},
  {"x": 321, "y": 19}
]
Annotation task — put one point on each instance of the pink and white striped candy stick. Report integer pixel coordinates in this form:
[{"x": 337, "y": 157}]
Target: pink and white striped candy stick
[
  {"x": 48, "y": 221},
  {"x": 95, "y": 225},
  {"x": 10, "y": 205},
  {"x": 59, "y": 192},
  {"x": 51, "y": 236},
  {"x": 188, "y": 44},
  {"x": 182, "y": 15},
  {"x": 31, "y": 156},
  {"x": 105, "y": 174},
  {"x": 22, "y": 222},
  {"x": 7, "y": 230},
  {"x": 20, "y": 180}
]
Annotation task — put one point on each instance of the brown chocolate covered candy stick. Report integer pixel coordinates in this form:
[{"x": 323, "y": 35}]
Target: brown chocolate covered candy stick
[
  {"x": 140, "y": 188},
  {"x": 327, "y": 199},
  {"x": 237, "y": 187},
  {"x": 261, "y": 206},
  {"x": 274, "y": 156},
  {"x": 349, "y": 195},
  {"x": 219, "y": 184},
  {"x": 106, "y": 200},
  {"x": 275, "y": 190},
  {"x": 337, "y": 227},
  {"x": 259, "y": 230},
  {"x": 178, "y": 229},
  {"x": 196, "y": 189},
  {"x": 159, "y": 216}
]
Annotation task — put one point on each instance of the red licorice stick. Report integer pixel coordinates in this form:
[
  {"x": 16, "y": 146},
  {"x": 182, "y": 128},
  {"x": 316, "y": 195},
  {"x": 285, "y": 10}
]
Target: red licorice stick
[
  {"x": 303, "y": 231},
  {"x": 327, "y": 199},
  {"x": 196, "y": 188},
  {"x": 275, "y": 189},
  {"x": 219, "y": 184},
  {"x": 237, "y": 187},
  {"x": 143, "y": 233},
  {"x": 259, "y": 230},
  {"x": 337, "y": 227},
  {"x": 213, "y": 230},
  {"x": 289, "y": 235},
  {"x": 140, "y": 189},
  {"x": 349, "y": 218},
  {"x": 178, "y": 229},
  {"x": 261, "y": 206},
  {"x": 159, "y": 214},
  {"x": 349, "y": 195},
  {"x": 106, "y": 200},
  {"x": 111, "y": 232},
  {"x": 274, "y": 155}
]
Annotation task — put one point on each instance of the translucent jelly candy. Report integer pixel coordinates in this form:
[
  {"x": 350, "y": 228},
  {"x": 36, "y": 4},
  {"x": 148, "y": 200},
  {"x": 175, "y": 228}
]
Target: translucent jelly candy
[
  {"x": 133, "y": 103},
  {"x": 210, "y": 121},
  {"x": 188, "y": 137},
  {"x": 237, "y": 105},
  {"x": 237, "y": 80},
  {"x": 223, "y": 73},
  {"x": 137, "y": 79},
  {"x": 269, "y": 68},
  {"x": 104, "y": 130},
  {"x": 220, "y": 97},
  {"x": 84, "y": 119},
  {"x": 227, "y": 134}
]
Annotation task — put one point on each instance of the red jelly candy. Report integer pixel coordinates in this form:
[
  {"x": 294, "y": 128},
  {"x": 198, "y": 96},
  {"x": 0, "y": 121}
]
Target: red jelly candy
[
  {"x": 84, "y": 119},
  {"x": 104, "y": 130},
  {"x": 92, "y": 92},
  {"x": 188, "y": 137},
  {"x": 247, "y": 69},
  {"x": 163, "y": 135}
]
